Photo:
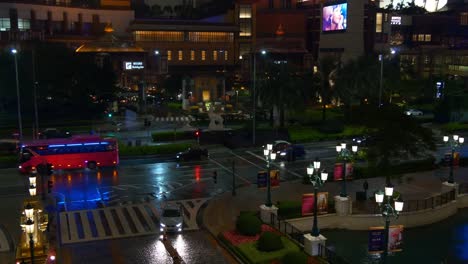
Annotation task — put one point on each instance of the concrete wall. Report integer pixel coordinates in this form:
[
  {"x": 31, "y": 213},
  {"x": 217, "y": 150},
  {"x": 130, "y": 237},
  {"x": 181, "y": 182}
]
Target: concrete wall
[
  {"x": 363, "y": 222},
  {"x": 352, "y": 40}
]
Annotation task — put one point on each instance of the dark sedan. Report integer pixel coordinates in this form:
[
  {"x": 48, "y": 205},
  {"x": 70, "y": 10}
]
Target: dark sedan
[{"x": 192, "y": 154}]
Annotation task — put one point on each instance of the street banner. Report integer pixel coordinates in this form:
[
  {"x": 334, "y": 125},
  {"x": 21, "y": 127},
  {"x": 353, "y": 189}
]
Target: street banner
[
  {"x": 456, "y": 159},
  {"x": 262, "y": 179},
  {"x": 308, "y": 203},
  {"x": 274, "y": 178},
  {"x": 376, "y": 239},
  {"x": 338, "y": 171}
]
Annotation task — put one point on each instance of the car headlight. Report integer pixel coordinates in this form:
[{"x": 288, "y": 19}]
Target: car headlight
[
  {"x": 283, "y": 154},
  {"x": 179, "y": 225},
  {"x": 163, "y": 225},
  {"x": 177, "y": 156}
]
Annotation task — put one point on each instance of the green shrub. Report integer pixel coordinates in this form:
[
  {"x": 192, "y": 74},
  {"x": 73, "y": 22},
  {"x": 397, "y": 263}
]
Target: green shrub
[
  {"x": 269, "y": 241},
  {"x": 298, "y": 257},
  {"x": 250, "y": 251},
  {"x": 171, "y": 135},
  {"x": 248, "y": 225},
  {"x": 331, "y": 127},
  {"x": 454, "y": 127},
  {"x": 402, "y": 168},
  {"x": 289, "y": 209}
]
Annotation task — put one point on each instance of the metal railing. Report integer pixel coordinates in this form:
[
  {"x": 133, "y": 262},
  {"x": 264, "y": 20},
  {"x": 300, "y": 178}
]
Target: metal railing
[
  {"x": 423, "y": 204},
  {"x": 287, "y": 229},
  {"x": 330, "y": 255}
]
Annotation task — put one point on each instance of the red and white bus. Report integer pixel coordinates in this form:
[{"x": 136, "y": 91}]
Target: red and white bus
[{"x": 69, "y": 153}]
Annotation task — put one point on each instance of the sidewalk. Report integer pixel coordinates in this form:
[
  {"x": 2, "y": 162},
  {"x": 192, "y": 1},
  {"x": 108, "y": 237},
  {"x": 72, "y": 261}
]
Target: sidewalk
[{"x": 221, "y": 212}]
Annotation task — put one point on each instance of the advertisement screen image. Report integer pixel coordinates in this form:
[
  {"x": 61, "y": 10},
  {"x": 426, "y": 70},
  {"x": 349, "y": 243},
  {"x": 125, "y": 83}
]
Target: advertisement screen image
[{"x": 334, "y": 17}]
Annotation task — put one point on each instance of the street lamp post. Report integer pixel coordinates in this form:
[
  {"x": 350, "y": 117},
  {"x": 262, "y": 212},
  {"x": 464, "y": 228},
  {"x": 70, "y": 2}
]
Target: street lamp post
[
  {"x": 388, "y": 211},
  {"x": 317, "y": 179},
  {"x": 454, "y": 142},
  {"x": 270, "y": 156},
  {"x": 381, "y": 79},
  {"x": 20, "y": 126},
  {"x": 254, "y": 92},
  {"x": 346, "y": 155},
  {"x": 29, "y": 225}
]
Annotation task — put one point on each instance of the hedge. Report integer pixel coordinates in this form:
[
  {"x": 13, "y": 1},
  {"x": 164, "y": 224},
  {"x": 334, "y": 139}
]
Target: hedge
[
  {"x": 125, "y": 150},
  {"x": 250, "y": 251},
  {"x": 171, "y": 136},
  {"x": 289, "y": 209},
  {"x": 294, "y": 258},
  {"x": 8, "y": 161},
  {"x": 454, "y": 127},
  {"x": 304, "y": 134},
  {"x": 402, "y": 168},
  {"x": 269, "y": 241},
  {"x": 248, "y": 225}
]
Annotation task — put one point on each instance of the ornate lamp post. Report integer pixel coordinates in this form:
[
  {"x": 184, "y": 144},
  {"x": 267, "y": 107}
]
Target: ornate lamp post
[
  {"x": 317, "y": 179},
  {"x": 388, "y": 211},
  {"x": 454, "y": 142},
  {"x": 270, "y": 156},
  {"x": 29, "y": 226},
  {"x": 32, "y": 190},
  {"x": 29, "y": 211},
  {"x": 346, "y": 155}
]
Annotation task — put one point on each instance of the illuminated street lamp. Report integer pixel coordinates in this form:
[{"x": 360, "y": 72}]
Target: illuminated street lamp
[
  {"x": 388, "y": 211},
  {"x": 317, "y": 179},
  {"x": 270, "y": 156},
  {"x": 29, "y": 211},
  {"x": 20, "y": 125},
  {"x": 346, "y": 155},
  {"x": 32, "y": 179},
  {"x": 32, "y": 190},
  {"x": 453, "y": 142},
  {"x": 29, "y": 226}
]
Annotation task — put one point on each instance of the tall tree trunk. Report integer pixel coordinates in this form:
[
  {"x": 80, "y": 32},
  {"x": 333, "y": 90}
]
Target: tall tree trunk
[
  {"x": 272, "y": 120},
  {"x": 282, "y": 115},
  {"x": 324, "y": 110}
]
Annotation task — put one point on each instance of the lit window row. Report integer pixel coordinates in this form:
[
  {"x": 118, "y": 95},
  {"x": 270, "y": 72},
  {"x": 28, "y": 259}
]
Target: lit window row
[
  {"x": 422, "y": 37},
  {"x": 23, "y": 24},
  {"x": 216, "y": 55},
  {"x": 179, "y": 36}
]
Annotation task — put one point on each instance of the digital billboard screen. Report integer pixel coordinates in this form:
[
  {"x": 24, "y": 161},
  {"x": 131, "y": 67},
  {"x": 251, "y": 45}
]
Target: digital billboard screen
[{"x": 334, "y": 17}]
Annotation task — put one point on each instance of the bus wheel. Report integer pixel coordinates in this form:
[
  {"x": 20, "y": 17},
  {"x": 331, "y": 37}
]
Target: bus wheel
[{"x": 92, "y": 165}]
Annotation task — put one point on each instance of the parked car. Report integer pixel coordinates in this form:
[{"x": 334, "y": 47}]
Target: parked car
[
  {"x": 413, "y": 112},
  {"x": 288, "y": 151},
  {"x": 172, "y": 218},
  {"x": 192, "y": 154},
  {"x": 54, "y": 133}
]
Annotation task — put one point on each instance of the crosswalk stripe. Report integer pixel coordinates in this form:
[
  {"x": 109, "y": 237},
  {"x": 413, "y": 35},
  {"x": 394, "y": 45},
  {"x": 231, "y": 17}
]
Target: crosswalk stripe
[
  {"x": 135, "y": 219},
  {"x": 86, "y": 225},
  {"x": 73, "y": 229},
  {"x": 63, "y": 228},
  {"x": 123, "y": 220},
  {"x": 112, "y": 226},
  {"x": 98, "y": 223},
  {"x": 153, "y": 209},
  {"x": 150, "y": 222}
]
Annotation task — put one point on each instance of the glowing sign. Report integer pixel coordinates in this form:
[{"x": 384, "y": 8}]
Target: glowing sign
[
  {"x": 396, "y": 20},
  {"x": 133, "y": 65}
]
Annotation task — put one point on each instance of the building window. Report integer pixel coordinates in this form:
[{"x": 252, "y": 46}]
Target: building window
[
  {"x": 421, "y": 37},
  {"x": 245, "y": 28},
  {"x": 24, "y": 24},
  {"x": 245, "y": 11},
  {"x": 463, "y": 19},
  {"x": 192, "y": 55},
  {"x": 226, "y": 55},
  {"x": 211, "y": 36},
  {"x": 378, "y": 23},
  {"x": 5, "y": 24},
  {"x": 168, "y": 36},
  {"x": 169, "y": 55},
  {"x": 180, "y": 55},
  {"x": 203, "y": 55},
  {"x": 215, "y": 55},
  {"x": 427, "y": 38}
]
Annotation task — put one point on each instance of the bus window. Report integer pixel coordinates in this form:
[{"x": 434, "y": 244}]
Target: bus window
[{"x": 25, "y": 155}]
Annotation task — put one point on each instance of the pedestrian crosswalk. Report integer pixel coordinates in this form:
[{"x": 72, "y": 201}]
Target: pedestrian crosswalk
[
  {"x": 110, "y": 222},
  {"x": 174, "y": 119}
]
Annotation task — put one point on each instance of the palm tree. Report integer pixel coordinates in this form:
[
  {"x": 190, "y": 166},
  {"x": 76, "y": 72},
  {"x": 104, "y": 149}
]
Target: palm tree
[{"x": 322, "y": 80}]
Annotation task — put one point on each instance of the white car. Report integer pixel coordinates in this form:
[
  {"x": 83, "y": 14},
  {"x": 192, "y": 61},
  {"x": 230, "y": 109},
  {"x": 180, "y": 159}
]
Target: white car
[
  {"x": 413, "y": 112},
  {"x": 172, "y": 219}
]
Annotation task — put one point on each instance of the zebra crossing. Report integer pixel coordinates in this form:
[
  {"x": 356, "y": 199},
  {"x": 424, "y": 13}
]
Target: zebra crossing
[
  {"x": 121, "y": 221},
  {"x": 106, "y": 223},
  {"x": 174, "y": 119}
]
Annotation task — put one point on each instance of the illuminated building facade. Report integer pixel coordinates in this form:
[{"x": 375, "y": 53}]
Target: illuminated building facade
[{"x": 203, "y": 53}]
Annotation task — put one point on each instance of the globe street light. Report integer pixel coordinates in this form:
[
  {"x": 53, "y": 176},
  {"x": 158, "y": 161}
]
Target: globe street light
[
  {"x": 29, "y": 226},
  {"x": 346, "y": 155},
  {"x": 29, "y": 211},
  {"x": 454, "y": 142},
  {"x": 387, "y": 211},
  {"x": 317, "y": 179},
  {"x": 270, "y": 156},
  {"x": 32, "y": 190},
  {"x": 20, "y": 126}
]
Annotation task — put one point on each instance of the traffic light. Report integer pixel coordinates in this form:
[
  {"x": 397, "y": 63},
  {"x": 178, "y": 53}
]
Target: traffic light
[
  {"x": 50, "y": 169},
  {"x": 50, "y": 185},
  {"x": 197, "y": 135}
]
